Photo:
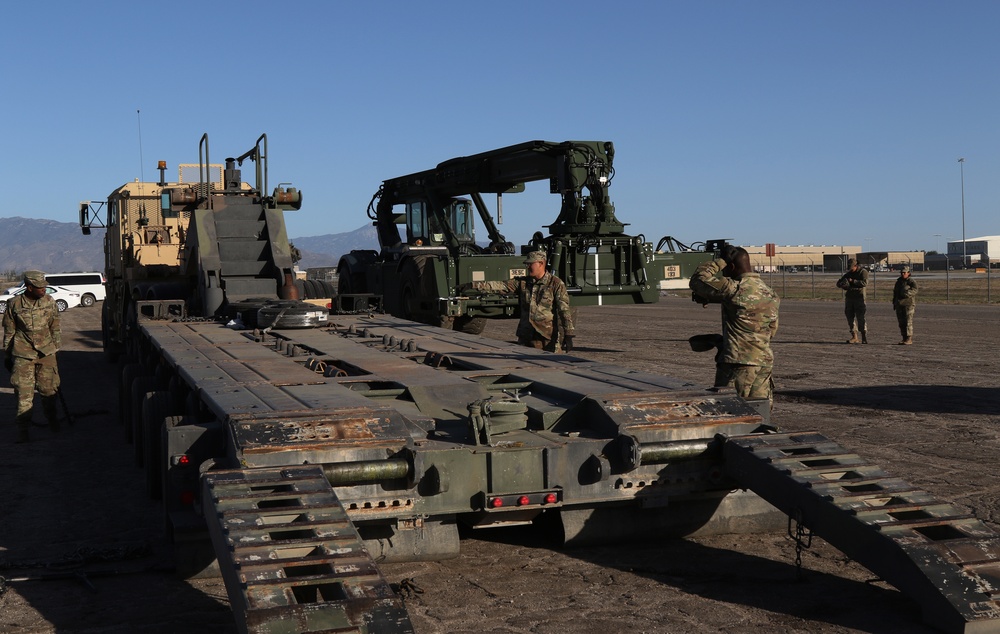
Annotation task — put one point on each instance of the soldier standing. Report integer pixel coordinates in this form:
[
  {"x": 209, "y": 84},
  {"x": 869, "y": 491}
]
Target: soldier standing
[
  {"x": 904, "y": 300},
  {"x": 31, "y": 338},
  {"x": 544, "y": 305},
  {"x": 854, "y": 282},
  {"x": 749, "y": 321}
]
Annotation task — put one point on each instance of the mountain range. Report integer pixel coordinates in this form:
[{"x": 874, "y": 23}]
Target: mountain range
[{"x": 60, "y": 247}]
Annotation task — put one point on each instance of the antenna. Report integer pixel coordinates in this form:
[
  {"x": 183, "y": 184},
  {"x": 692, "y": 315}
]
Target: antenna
[{"x": 143, "y": 220}]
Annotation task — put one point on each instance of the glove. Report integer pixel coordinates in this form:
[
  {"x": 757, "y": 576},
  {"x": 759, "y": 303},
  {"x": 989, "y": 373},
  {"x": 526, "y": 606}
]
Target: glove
[
  {"x": 844, "y": 284},
  {"x": 698, "y": 299},
  {"x": 8, "y": 362},
  {"x": 567, "y": 345}
]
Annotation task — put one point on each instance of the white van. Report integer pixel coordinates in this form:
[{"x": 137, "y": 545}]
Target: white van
[{"x": 90, "y": 286}]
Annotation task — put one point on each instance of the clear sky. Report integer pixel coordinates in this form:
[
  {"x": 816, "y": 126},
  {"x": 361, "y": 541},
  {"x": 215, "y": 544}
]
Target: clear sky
[{"x": 795, "y": 122}]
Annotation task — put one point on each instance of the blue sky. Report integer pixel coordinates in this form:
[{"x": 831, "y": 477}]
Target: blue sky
[{"x": 795, "y": 122}]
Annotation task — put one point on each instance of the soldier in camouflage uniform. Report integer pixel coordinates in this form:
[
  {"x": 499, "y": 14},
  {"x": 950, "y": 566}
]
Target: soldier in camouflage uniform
[
  {"x": 853, "y": 282},
  {"x": 749, "y": 321},
  {"x": 31, "y": 338},
  {"x": 904, "y": 300},
  {"x": 544, "y": 305}
]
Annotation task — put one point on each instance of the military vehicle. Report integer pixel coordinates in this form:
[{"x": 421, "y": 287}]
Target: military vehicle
[
  {"x": 429, "y": 252},
  {"x": 293, "y": 455}
]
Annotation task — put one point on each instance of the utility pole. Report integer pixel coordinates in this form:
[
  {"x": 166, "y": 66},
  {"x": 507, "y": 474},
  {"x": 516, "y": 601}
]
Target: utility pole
[{"x": 961, "y": 167}]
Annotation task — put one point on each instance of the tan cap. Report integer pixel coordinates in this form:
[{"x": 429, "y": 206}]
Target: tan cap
[
  {"x": 905, "y": 269},
  {"x": 535, "y": 256},
  {"x": 35, "y": 278},
  {"x": 851, "y": 262}
]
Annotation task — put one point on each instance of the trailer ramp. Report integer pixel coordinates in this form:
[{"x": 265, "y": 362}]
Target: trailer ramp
[
  {"x": 291, "y": 558},
  {"x": 941, "y": 556}
]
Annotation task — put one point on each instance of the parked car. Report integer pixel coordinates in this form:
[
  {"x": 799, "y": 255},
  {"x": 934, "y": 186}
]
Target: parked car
[
  {"x": 90, "y": 286},
  {"x": 64, "y": 298}
]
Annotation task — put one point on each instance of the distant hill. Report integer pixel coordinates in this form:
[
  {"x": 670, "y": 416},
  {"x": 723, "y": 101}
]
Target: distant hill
[
  {"x": 326, "y": 250},
  {"x": 50, "y": 246},
  {"x": 60, "y": 247}
]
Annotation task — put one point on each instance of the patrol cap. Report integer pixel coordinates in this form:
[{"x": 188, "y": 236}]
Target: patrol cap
[
  {"x": 535, "y": 256},
  {"x": 905, "y": 269},
  {"x": 35, "y": 278},
  {"x": 851, "y": 262}
]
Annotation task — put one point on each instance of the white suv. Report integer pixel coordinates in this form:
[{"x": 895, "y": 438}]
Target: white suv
[{"x": 90, "y": 286}]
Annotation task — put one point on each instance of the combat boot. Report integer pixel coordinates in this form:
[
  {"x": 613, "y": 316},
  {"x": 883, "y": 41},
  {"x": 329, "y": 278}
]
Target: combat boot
[
  {"x": 907, "y": 341},
  {"x": 854, "y": 337},
  {"x": 864, "y": 337}
]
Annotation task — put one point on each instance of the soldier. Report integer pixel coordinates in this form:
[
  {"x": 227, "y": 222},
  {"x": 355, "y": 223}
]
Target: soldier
[
  {"x": 904, "y": 300},
  {"x": 31, "y": 338},
  {"x": 749, "y": 321},
  {"x": 854, "y": 282},
  {"x": 544, "y": 305}
]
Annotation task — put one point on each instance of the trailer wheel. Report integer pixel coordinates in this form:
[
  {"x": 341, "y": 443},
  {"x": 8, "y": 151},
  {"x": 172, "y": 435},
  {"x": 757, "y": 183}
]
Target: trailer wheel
[
  {"x": 130, "y": 372},
  {"x": 156, "y": 406},
  {"x": 133, "y": 426},
  {"x": 112, "y": 349}
]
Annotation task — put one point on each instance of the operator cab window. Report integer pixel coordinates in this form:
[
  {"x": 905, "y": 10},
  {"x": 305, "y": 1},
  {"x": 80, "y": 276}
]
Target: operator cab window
[
  {"x": 461, "y": 218},
  {"x": 416, "y": 222}
]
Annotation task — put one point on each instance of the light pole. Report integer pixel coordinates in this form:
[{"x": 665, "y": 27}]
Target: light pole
[
  {"x": 961, "y": 167},
  {"x": 937, "y": 243},
  {"x": 868, "y": 245}
]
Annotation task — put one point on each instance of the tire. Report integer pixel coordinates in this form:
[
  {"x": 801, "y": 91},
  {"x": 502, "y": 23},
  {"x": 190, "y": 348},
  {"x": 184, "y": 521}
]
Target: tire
[
  {"x": 350, "y": 283},
  {"x": 112, "y": 348},
  {"x": 87, "y": 300},
  {"x": 409, "y": 291},
  {"x": 156, "y": 407},
  {"x": 133, "y": 425},
  {"x": 61, "y": 305},
  {"x": 130, "y": 372},
  {"x": 311, "y": 290}
]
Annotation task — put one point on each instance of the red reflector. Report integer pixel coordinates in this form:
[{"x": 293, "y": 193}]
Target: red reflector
[
  {"x": 551, "y": 498},
  {"x": 521, "y": 501},
  {"x": 496, "y": 502},
  {"x": 184, "y": 459},
  {"x": 187, "y": 497}
]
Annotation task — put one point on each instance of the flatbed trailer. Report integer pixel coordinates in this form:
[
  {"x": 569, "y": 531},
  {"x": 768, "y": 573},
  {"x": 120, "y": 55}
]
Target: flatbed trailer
[{"x": 306, "y": 456}]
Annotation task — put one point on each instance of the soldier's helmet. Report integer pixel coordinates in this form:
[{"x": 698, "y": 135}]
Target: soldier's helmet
[
  {"x": 905, "y": 269},
  {"x": 35, "y": 278},
  {"x": 851, "y": 262}
]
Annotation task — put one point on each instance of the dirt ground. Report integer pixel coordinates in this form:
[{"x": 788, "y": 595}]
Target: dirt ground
[{"x": 81, "y": 546}]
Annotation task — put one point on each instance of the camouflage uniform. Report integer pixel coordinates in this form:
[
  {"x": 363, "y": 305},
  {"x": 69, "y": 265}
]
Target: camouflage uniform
[
  {"x": 854, "y": 283},
  {"x": 31, "y": 338},
  {"x": 545, "y": 311},
  {"x": 904, "y": 300},
  {"x": 749, "y": 321}
]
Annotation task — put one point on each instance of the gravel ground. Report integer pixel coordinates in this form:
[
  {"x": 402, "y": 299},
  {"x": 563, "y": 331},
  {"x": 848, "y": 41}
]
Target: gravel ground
[{"x": 929, "y": 413}]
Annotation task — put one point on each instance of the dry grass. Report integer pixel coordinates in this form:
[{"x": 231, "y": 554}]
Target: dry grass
[{"x": 958, "y": 287}]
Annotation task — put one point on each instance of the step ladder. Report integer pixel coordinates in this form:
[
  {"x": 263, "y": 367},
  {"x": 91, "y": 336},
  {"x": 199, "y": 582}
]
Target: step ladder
[
  {"x": 938, "y": 554},
  {"x": 291, "y": 559}
]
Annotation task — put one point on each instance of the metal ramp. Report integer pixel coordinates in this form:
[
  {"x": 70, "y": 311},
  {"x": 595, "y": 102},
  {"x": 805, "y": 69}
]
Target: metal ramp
[
  {"x": 291, "y": 558},
  {"x": 942, "y": 557}
]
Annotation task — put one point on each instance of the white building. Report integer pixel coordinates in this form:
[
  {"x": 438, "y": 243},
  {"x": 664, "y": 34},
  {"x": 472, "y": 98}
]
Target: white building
[{"x": 976, "y": 250}]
